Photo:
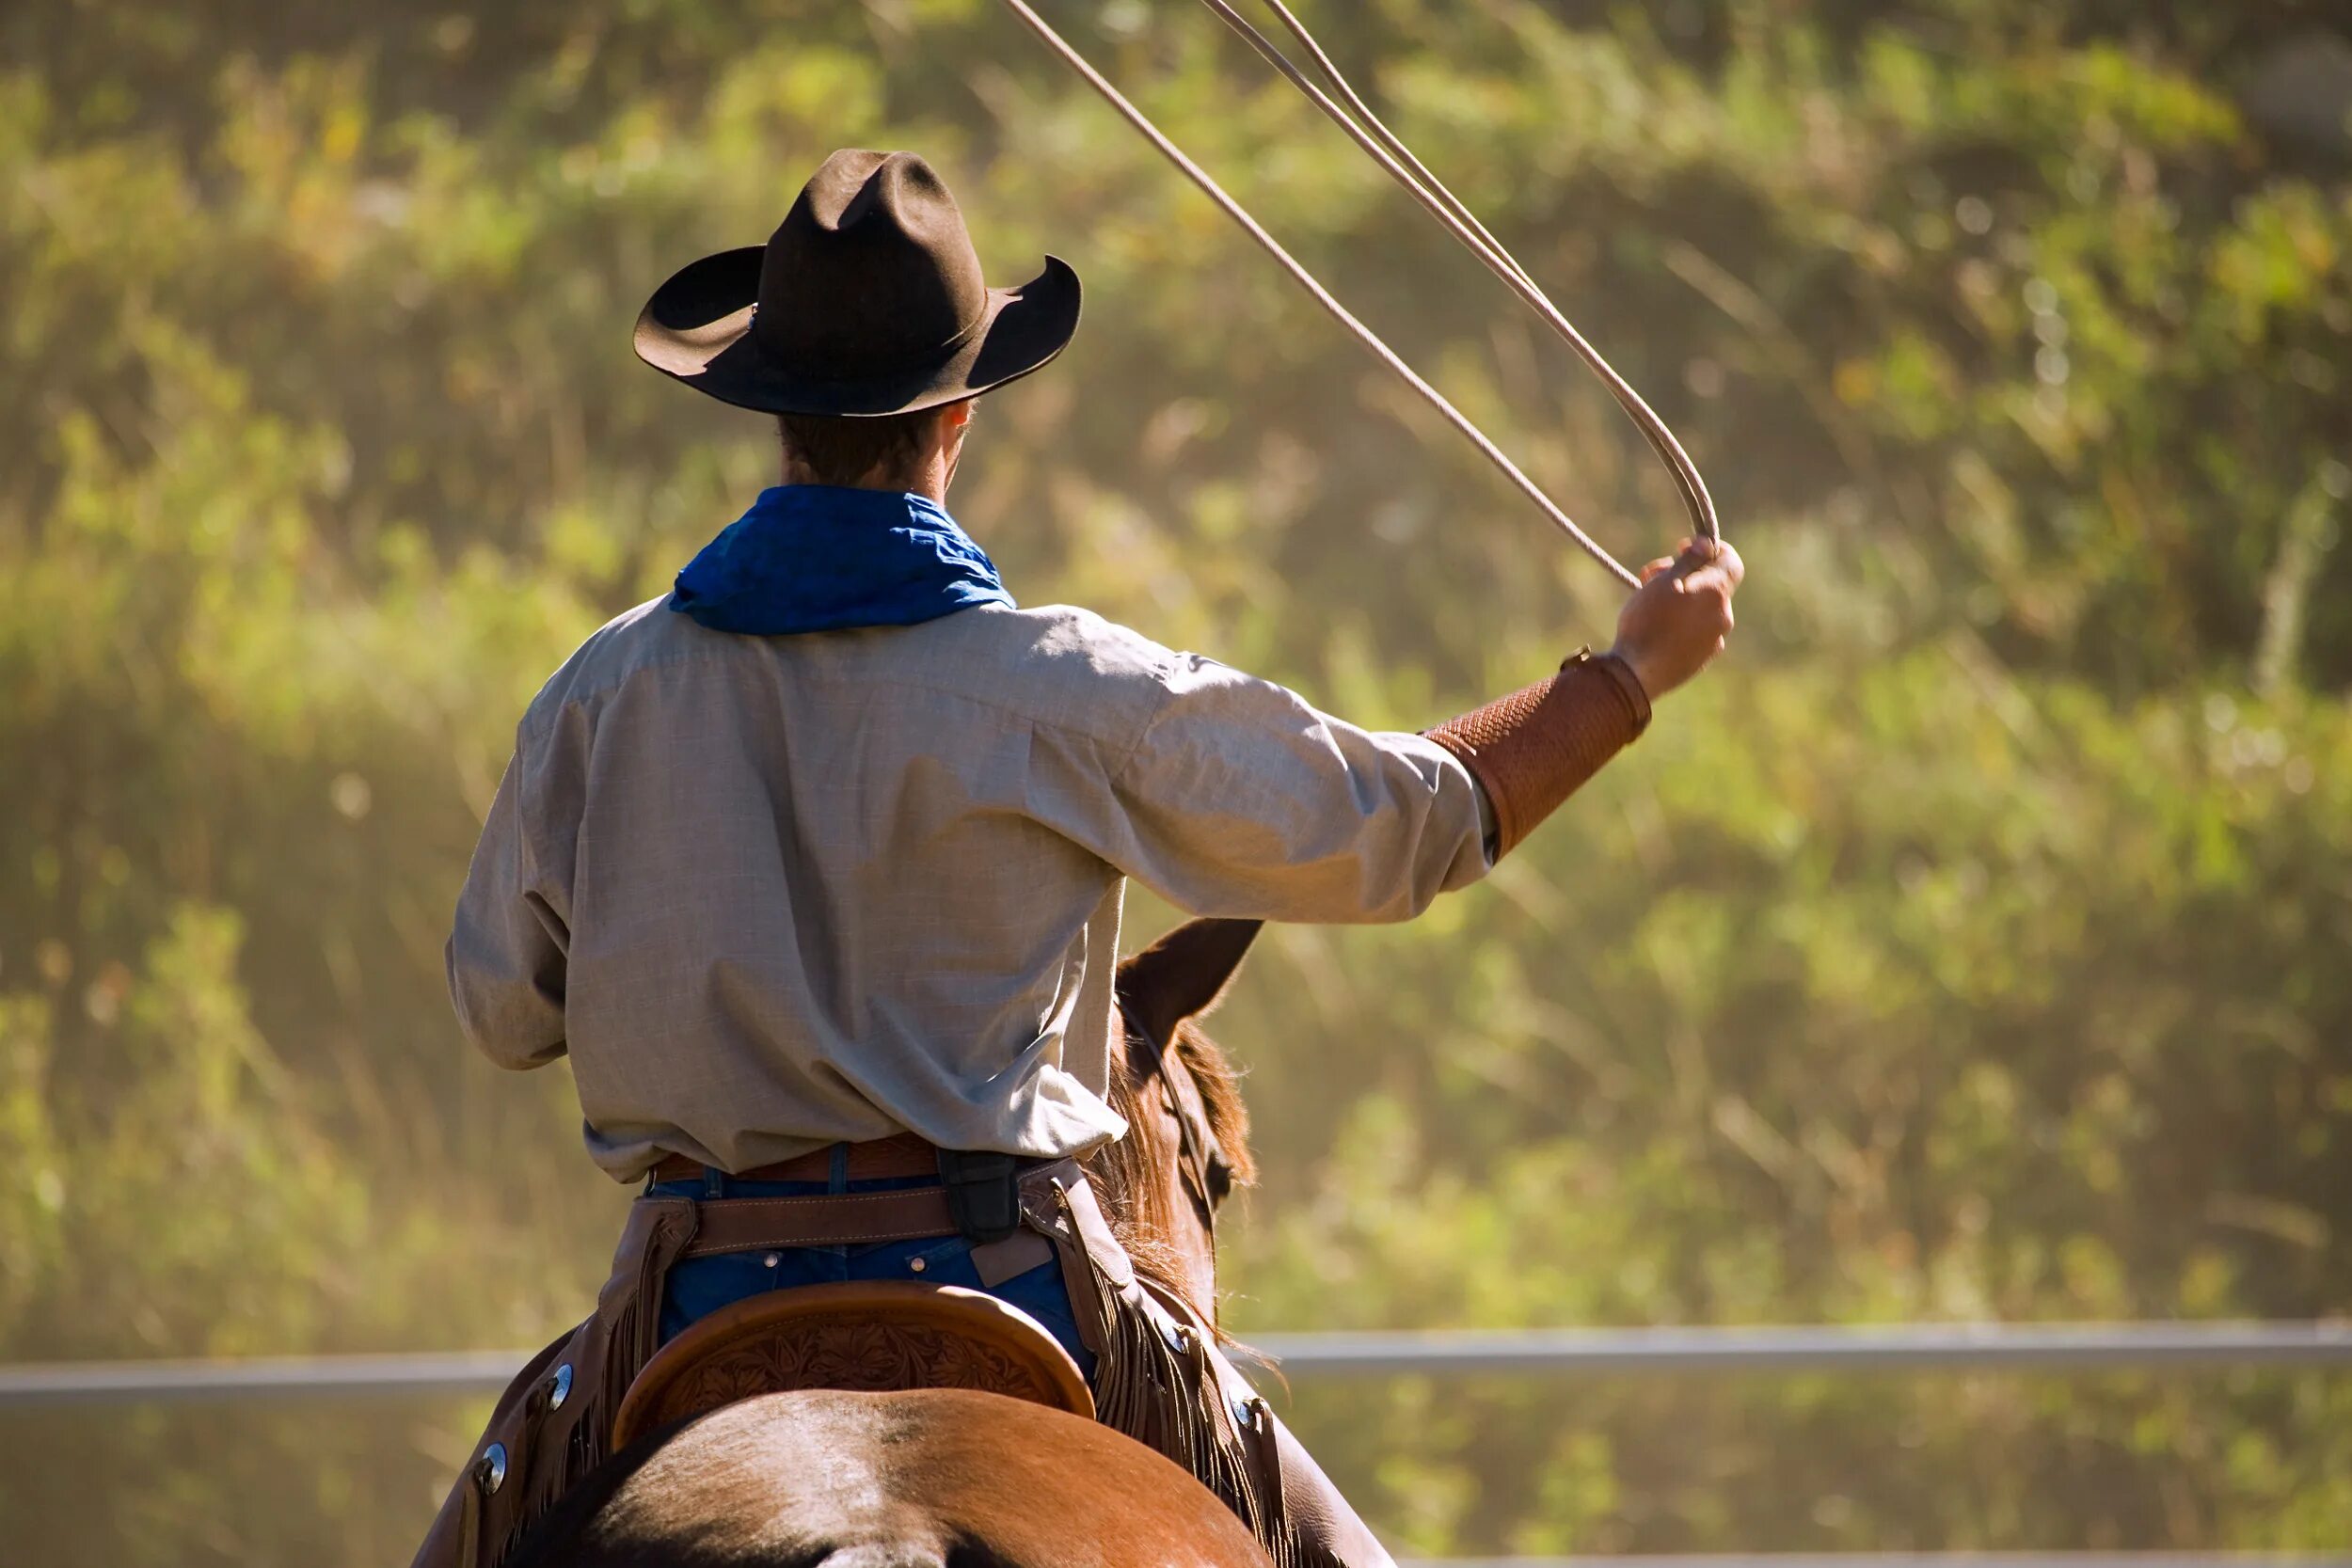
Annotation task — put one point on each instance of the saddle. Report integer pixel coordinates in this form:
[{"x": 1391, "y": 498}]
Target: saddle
[
  {"x": 866, "y": 1337},
  {"x": 1165, "y": 1382}
]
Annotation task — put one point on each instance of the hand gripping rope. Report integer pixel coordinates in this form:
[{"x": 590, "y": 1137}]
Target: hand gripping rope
[{"x": 1357, "y": 119}]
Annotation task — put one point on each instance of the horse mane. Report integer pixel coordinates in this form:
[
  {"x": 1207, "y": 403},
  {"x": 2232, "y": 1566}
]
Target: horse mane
[{"x": 1135, "y": 1173}]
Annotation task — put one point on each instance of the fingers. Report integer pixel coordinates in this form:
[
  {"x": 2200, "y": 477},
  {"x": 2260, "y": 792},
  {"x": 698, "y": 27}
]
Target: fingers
[
  {"x": 1697, "y": 555},
  {"x": 1690, "y": 555},
  {"x": 1722, "y": 574},
  {"x": 1691, "y": 604}
]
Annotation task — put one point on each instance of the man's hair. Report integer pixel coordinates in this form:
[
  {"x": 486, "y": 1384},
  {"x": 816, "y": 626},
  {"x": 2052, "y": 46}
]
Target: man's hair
[{"x": 837, "y": 450}]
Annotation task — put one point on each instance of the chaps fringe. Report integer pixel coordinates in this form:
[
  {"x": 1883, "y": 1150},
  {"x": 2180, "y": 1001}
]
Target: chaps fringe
[
  {"x": 1154, "y": 1385},
  {"x": 1157, "y": 1381},
  {"x": 632, "y": 1333}
]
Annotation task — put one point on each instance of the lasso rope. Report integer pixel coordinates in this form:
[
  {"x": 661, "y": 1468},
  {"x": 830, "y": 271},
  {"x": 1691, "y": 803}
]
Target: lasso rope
[
  {"x": 1389, "y": 152},
  {"x": 1478, "y": 242}
]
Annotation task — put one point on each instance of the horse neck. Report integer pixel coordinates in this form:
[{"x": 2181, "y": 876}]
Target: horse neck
[{"x": 1151, "y": 1211}]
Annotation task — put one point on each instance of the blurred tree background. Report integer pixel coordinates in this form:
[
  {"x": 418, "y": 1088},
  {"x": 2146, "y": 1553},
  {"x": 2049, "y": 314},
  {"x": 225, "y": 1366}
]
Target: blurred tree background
[{"x": 1971, "y": 944}]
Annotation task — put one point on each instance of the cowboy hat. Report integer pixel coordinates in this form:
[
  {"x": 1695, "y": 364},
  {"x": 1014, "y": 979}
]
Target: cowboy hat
[{"x": 868, "y": 300}]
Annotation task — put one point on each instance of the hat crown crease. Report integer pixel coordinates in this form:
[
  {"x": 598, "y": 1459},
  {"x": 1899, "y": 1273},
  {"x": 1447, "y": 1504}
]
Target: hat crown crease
[{"x": 872, "y": 270}]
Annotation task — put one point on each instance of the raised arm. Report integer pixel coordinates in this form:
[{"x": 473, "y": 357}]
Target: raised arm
[{"x": 1242, "y": 799}]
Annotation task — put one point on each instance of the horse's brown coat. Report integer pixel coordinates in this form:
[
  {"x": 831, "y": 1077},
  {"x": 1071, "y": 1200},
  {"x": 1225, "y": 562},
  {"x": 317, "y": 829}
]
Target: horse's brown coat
[{"x": 934, "y": 1479}]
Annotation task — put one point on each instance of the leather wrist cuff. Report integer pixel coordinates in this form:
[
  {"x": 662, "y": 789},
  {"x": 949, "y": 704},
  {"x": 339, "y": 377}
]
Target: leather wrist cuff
[{"x": 1533, "y": 749}]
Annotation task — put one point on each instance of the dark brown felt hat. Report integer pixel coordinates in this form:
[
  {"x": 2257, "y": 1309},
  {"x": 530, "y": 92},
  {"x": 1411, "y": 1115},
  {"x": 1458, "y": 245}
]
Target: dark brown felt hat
[{"x": 868, "y": 300}]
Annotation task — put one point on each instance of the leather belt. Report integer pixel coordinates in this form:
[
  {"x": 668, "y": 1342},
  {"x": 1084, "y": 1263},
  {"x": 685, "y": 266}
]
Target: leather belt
[
  {"x": 826, "y": 1219},
  {"x": 902, "y": 1154},
  {"x": 844, "y": 1219}
]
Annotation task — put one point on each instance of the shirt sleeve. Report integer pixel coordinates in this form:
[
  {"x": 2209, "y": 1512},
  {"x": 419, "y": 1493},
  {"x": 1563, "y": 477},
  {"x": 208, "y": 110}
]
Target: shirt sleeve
[
  {"x": 1240, "y": 798},
  {"x": 507, "y": 949}
]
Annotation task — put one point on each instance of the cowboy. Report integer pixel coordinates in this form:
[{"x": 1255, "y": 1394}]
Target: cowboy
[{"x": 814, "y": 867}]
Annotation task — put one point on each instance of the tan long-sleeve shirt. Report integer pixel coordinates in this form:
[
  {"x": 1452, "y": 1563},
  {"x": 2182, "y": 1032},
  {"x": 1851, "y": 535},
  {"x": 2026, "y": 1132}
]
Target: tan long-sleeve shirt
[{"x": 773, "y": 892}]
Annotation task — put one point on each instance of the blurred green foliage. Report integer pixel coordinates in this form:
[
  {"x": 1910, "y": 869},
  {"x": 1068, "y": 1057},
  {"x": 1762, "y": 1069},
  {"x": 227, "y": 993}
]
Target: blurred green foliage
[{"x": 1971, "y": 944}]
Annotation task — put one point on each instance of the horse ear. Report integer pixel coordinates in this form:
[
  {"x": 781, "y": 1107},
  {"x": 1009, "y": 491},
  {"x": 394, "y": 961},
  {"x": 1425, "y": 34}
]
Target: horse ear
[{"x": 1184, "y": 973}]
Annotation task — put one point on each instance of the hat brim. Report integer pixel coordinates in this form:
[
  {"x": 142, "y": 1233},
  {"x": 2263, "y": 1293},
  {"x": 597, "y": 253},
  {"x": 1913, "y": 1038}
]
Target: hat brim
[{"x": 697, "y": 328}]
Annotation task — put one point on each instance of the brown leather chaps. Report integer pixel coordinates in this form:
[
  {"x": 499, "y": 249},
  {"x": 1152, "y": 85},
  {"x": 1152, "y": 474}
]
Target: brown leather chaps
[{"x": 1160, "y": 1378}]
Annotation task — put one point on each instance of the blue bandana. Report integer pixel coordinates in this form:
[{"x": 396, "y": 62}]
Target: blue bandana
[{"x": 825, "y": 558}]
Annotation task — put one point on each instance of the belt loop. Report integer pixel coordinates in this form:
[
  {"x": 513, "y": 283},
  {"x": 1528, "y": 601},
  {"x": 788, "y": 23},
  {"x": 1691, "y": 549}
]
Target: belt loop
[
  {"x": 837, "y": 1173},
  {"x": 714, "y": 1183}
]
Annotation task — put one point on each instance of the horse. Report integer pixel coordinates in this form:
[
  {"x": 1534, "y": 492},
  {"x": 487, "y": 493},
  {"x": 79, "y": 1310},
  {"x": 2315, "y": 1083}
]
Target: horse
[{"x": 951, "y": 1478}]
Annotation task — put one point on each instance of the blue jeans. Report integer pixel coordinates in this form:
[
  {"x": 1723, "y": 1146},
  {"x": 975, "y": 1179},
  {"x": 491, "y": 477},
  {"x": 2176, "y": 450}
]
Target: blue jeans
[{"x": 700, "y": 1286}]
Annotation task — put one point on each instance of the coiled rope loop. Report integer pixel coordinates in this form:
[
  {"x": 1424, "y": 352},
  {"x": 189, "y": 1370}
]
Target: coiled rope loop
[{"x": 1386, "y": 149}]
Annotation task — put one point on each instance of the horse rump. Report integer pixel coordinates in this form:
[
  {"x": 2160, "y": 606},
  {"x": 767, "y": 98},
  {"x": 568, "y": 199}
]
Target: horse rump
[{"x": 925, "y": 1479}]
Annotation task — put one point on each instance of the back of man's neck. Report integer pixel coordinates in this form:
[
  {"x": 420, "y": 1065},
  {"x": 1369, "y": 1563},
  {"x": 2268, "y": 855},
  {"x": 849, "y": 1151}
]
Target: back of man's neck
[{"x": 931, "y": 487}]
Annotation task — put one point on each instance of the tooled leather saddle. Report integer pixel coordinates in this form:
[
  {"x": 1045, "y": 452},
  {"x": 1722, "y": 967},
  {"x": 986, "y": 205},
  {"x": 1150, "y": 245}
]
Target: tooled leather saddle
[{"x": 872, "y": 1336}]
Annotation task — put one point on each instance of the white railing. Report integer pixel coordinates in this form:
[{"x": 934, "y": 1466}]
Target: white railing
[{"x": 2049, "y": 1348}]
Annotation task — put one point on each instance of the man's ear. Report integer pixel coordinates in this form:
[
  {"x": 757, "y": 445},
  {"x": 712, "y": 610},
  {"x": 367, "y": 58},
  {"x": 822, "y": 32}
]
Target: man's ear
[
  {"x": 1183, "y": 974},
  {"x": 955, "y": 423}
]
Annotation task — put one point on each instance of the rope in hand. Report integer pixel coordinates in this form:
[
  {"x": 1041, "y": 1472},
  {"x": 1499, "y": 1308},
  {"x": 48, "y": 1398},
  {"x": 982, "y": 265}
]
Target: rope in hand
[{"x": 1387, "y": 356}]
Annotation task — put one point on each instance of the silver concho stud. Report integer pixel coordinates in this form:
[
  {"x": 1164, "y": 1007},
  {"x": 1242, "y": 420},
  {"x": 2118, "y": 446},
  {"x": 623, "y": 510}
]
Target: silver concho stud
[
  {"x": 489, "y": 1471},
  {"x": 559, "y": 1386}
]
